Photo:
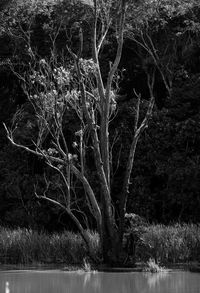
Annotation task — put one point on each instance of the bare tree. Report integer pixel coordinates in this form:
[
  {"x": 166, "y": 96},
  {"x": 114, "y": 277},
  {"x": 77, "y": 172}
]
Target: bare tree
[{"x": 53, "y": 91}]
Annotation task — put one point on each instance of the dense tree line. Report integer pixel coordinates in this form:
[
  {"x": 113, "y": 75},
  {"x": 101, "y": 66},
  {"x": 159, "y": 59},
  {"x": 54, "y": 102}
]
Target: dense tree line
[{"x": 165, "y": 179}]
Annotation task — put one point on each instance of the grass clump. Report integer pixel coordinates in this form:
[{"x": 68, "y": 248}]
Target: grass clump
[
  {"x": 86, "y": 266},
  {"x": 152, "y": 267}
]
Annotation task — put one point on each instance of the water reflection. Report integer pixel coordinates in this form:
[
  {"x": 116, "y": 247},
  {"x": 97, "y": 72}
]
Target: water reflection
[
  {"x": 65, "y": 282},
  {"x": 154, "y": 279},
  {"x": 7, "y": 290}
]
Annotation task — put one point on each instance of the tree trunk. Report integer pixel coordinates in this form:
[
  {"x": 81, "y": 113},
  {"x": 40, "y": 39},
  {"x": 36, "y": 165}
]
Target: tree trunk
[{"x": 110, "y": 243}]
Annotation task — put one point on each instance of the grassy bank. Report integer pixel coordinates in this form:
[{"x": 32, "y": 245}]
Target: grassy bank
[
  {"x": 25, "y": 246},
  {"x": 178, "y": 243},
  {"x": 165, "y": 244}
]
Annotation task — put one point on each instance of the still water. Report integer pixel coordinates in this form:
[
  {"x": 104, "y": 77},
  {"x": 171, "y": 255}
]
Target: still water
[{"x": 75, "y": 282}]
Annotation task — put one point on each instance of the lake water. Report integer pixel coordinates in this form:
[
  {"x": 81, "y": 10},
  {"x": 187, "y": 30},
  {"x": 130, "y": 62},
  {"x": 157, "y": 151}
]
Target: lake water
[{"x": 75, "y": 282}]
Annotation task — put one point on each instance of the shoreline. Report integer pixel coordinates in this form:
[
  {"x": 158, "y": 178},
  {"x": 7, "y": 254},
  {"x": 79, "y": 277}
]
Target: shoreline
[{"x": 101, "y": 268}]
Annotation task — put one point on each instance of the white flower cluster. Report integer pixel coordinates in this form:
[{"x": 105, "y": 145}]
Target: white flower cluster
[
  {"x": 72, "y": 157},
  {"x": 88, "y": 66},
  {"x": 62, "y": 76},
  {"x": 37, "y": 77},
  {"x": 52, "y": 151}
]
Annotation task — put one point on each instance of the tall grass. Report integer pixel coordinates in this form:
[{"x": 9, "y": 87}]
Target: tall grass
[
  {"x": 170, "y": 244},
  {"x": 166, "y": 244},
  {"x": 25, "y": 246}
]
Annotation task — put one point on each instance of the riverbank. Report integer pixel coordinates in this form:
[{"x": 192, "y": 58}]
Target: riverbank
[
  {"x": 100, "y": 268},
  {"x": 26, "y": 246},
  {"x": 167, "y": 245}
]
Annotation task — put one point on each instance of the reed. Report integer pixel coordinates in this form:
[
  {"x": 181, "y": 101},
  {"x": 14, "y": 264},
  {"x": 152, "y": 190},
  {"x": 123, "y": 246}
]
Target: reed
[
  {"x": 25, "y": 246},
  {"x": 170, "y": 244}
]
